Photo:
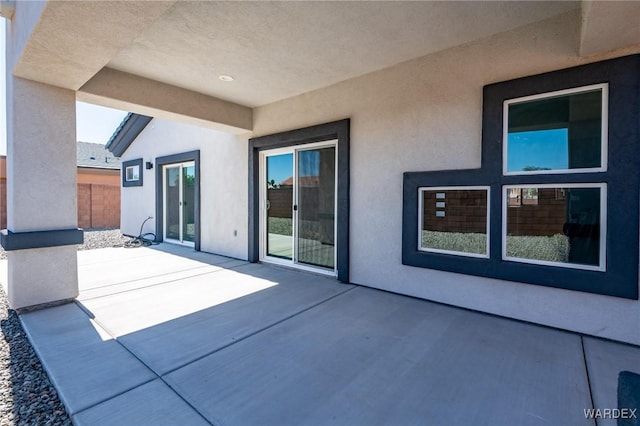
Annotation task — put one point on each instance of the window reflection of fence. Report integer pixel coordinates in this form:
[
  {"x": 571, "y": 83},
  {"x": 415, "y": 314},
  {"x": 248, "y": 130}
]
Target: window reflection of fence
[
  {"x": 281, "y": 202},
  {"x": 544, "y": 218},
  {"x": 314, "y": 222},
  {"x": 464, "y": 211}
]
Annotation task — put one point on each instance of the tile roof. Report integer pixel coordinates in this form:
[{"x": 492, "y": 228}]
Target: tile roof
[
  {"x": 302, "y": 181},
  {"x": 97, "y": 156}
]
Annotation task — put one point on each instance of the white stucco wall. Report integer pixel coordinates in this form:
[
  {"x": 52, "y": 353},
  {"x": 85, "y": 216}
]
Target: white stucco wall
[
  {"x": 38, "y": 174},
  {"x": 426, "y": 115},
  {"x": 223, "y": 183}
]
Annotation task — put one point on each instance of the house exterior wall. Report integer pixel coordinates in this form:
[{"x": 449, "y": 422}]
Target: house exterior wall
[
  {"x": 223, "y": 183},
  {"x": 426, "y": 115}
]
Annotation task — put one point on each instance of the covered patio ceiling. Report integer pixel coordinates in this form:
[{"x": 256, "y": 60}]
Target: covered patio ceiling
[
  {"x": 273, "y": 50},
  {"x": 276, "y": 50}
]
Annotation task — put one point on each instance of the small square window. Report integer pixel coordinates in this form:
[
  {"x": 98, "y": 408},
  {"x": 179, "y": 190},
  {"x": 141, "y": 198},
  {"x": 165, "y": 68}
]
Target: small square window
[
  {"x": 132, "y": 173},
  {"x": 458, "y": 225},
  {"x": 564, "y": 225},
  {"x": 557, "y": 132}
]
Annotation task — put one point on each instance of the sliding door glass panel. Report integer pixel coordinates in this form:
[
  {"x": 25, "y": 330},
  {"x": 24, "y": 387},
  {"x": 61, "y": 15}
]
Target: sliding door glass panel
[
  {"x": 316, "y": 185},
  {"x": 188, "y": 203},
  {"x": 172, "y": 200},
  {"x": 279, "y": 206}
]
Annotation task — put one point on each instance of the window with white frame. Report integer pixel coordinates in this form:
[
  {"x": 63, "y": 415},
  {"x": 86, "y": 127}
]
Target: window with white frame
[
  {"x": 454, "y": 220},
  {"x": 566, "y": 226},
  {"x": 132, "y": 173},
  {"x": 558, "y": 132}
]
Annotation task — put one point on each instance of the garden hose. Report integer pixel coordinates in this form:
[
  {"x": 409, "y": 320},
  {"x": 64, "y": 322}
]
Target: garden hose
[{"x": 142, "y": 240}]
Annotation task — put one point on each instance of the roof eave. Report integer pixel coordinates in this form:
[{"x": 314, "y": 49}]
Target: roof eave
[{"x": 132, "y": 125}]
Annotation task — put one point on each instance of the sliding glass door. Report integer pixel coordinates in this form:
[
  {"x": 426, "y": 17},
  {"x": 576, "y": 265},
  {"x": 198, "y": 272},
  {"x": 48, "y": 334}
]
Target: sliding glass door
[
  {"x": 279, "y": 206},
  {"x": 299, "y": 206},
  {"x": 179, "y": 203},
  {"x": 316, "y": 195}
]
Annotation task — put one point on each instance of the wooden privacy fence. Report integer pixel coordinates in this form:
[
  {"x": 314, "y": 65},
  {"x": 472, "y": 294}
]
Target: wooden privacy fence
[{"x": 98, "y": 205}]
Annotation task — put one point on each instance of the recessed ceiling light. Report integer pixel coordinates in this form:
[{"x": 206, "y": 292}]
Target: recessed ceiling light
[{"x": 226, "y": 78}]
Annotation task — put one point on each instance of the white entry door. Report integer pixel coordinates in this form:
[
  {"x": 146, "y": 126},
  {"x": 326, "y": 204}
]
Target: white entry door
[
  {"x": 179, "y": 203},
  {"x": 298, "y": 206}
]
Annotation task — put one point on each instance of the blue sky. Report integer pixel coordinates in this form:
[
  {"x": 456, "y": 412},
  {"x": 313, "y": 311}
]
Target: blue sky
[
  {"x": 93, "y": 123},
  {"x": 547, "y": 149},
  {"x": 280, "y": 167}
]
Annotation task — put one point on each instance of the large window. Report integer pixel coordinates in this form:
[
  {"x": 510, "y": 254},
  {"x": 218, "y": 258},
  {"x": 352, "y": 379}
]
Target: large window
[
  {"x": 565, "y": 227},
  {"x": 563, "y": 133},
  {"x": 560, "y": 161},
  {"x": 454, "y": 220},
  {"x": 559, "y": 132}
]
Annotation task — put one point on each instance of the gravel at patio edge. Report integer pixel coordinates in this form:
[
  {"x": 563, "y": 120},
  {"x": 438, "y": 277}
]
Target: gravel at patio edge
[
  {"x": 102, "y": 238},
  {"x": 26, "y": 394},
  {"x": 27, "y": 397}
]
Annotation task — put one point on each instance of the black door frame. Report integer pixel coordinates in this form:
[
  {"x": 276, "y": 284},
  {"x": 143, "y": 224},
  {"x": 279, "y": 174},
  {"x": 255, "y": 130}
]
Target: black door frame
[
  {"x": 338, "y": 130},
  {"x": 172, "y": 159}
]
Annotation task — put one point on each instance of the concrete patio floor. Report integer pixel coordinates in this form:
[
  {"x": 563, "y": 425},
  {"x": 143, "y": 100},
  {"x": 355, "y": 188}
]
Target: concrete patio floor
[{"x": 166, "y": 335}]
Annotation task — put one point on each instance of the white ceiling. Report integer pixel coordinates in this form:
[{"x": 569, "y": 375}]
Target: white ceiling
[{"x": 276, "y": 50}]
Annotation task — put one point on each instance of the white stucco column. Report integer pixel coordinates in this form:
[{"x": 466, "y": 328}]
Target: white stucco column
[{"x": 41, "y": 194}]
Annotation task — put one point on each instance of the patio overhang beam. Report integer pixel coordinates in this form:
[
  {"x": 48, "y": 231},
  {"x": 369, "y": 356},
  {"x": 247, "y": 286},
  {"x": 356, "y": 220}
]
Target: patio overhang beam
[
  {"x": 608, "y": 26},
  {"x": 129, "y": 92},
  {"x": 67, "y": 43}
]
